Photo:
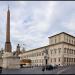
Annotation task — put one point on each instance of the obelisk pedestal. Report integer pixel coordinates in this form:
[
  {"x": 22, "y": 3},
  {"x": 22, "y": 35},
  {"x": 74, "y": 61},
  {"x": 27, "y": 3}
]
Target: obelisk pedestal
[{"x": 10, "y": 61}]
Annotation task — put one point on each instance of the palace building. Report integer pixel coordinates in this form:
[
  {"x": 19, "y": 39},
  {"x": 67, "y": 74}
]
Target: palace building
[{"x": 60, "y": 51}]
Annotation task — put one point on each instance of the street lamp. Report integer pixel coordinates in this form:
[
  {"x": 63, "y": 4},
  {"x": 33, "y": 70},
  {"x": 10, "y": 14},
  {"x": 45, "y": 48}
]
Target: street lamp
[{"x": 46, "y": 56}]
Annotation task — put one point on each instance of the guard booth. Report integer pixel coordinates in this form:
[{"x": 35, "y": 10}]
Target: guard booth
[{"x": 25, "y": 63}]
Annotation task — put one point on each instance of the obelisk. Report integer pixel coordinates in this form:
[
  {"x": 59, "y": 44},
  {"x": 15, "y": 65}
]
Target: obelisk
[
  {"x": 9, "y": 60},
  {"x": 8, "y": 43}
]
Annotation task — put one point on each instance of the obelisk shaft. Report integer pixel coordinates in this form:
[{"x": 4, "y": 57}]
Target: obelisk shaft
[{"x": 8, "y": 43}]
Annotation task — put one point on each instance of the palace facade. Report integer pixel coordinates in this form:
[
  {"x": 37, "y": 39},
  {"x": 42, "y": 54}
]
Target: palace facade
[{"x": 60, "y": 51}]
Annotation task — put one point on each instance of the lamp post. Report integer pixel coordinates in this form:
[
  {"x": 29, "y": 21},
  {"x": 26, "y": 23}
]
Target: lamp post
[{"x": 46, "y": 56}]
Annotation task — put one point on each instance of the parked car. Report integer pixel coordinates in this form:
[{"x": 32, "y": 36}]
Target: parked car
[
  {"x": 55, "y": 66},
  {"x": 48, "y": 67},
  {"x": 0, "y": 69},
  {"x": 43, "y": 68}
]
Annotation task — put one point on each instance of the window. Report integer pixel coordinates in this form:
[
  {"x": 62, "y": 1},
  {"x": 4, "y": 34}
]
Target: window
[
  {"x": 33, "y": 61},
  {"x": 42, "y": 53},
  {"x": 74, "y": 42},
  {"x": 40, "y": 60},
  {"x": 27, "y": 56},
  {"x": 37, "y": 54},
  {"x": 51, "y": 51},
  {"x": 51, "y": 60},
  {"x": 67, "y": 50},
  {"x": 67, "y": 59},
  {"x": 36, "y": 61},
  {"x": 59, "y": 49},
  {"x": 51, "y": 41},
  {"x": 64, "y": 59},
  {"x": 55, "y": 51},
  {"x": 71, "y": 51},
  {"x": 71, "y": 59},
  {"x": 55, "y": 39},
  {"x": 64, "y": 50},
  {"x": 59, "y": 59},
  {"x": 74, "y": 51},
  {"x": 69, "y": 40},
  {"x": 74, "y": 59},
  {"x": 54, "y": 59}
]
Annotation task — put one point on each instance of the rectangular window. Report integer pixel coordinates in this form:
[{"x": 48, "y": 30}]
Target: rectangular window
[
  {"x": 51, "y": 60},
  {"x": 68, "y": 50},
  {"x": 64, "y": 59},
  {"x": 67, "y": 59},
  {"x": 74, "y": 42},
  {"x": 33, "y": 61},
  {"x": 64, "y": 50},
  {"x": 59, "y": 60},
  {"x": 69, "y": 40},
  {"x": 55, "y": 51},
  {"x": 54, "y": 59},
  {"x": 51, "y": 41},
  {"x": 71, "y": 51},
  {"x": 37, "y": 54},
  {"x": 42, "y": 53},
  {"x": 74, "y": 51},
  {"x": 74, "y": 59},
  {"x": 71, "y": 59},
  {"x": 59, "y": 49},
  {"x": 51, "y": 51},
  {"x": 36, "y": 61},
  {"x": 55, "y": 40}
]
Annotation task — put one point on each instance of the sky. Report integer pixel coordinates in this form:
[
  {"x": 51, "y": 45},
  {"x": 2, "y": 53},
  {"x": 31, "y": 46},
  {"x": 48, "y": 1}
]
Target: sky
[{"x": 32, "y": 22}]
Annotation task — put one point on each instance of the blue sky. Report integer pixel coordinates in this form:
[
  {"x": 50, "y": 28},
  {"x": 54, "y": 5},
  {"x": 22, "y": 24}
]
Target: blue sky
[{"x": 32, "y": 22}]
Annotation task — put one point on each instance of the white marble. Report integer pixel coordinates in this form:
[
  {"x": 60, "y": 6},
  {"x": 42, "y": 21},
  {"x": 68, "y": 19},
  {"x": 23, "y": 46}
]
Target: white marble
[{"x": 10, "y": 61}]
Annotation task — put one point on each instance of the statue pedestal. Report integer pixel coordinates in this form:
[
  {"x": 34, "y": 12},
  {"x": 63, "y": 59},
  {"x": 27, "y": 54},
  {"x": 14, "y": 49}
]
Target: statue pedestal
[{"x": 10, "y": 61}]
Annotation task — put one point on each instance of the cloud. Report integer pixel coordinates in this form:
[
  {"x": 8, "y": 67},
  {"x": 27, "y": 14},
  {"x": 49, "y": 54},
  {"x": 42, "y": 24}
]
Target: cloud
[{"x": 33, "y": 21}]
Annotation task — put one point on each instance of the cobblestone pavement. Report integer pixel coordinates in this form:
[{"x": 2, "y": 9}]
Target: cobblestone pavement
[{"x": 38, "y": 70}]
